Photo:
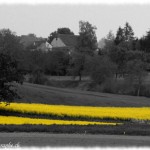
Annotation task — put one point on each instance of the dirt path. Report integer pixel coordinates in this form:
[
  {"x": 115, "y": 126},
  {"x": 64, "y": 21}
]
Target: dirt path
[{"x": 73, "y": 140}]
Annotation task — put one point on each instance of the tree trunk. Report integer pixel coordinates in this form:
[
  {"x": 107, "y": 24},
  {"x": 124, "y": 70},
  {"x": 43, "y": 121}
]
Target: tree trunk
[
  {"x": 139, "y": 88},
  {"x": 116, "y": 75},
  {"x": 80, "y": 77},
  {"x": 138, "y": 92}
]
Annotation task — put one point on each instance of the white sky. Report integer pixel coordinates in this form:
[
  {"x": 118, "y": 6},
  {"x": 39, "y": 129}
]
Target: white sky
[{"x": 45, "y": 18}]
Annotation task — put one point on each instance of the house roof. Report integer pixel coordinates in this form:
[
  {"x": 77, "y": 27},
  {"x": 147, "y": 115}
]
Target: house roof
[
  {"x": 69, "y": 40},
  {"x": 39, "y": 42},
  {"x": 27, "y": 40}
]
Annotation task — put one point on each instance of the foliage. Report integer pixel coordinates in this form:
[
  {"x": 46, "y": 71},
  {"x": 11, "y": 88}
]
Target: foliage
[
  {"x": 119, "y": 36},
  {"x": 108, "y": 43},
  {"x": 10, "y": 64},
  {"x": 125, "y": 34},
  {"x": 145, "y": 42},
  {"x": 38, "y": 77},
  {"x": 125, "y": 37},
  {"x": 87, "y": 37},
  {"x": 78, "y": 64},
  {"x": 102, "y": 69},
  {"x": 128, "y": 32},
  {"x": 9, "y": 73},
  {"x": 51, "y": 62},
  {"x": 57, "y": 62},
  {"x": 118, "y": 55},
  {"x": 9, "y": 43},
  {"x": 136, "y": 73}
]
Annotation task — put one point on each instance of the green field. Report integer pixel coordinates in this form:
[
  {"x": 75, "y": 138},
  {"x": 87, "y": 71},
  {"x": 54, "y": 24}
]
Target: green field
[{"x": 33, "y": 93}]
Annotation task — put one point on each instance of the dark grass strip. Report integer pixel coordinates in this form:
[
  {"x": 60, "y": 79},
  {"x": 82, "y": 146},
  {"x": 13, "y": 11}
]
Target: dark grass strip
[
  {"x": 61, "y": 117},
  {"x": 127, "y": 129}
]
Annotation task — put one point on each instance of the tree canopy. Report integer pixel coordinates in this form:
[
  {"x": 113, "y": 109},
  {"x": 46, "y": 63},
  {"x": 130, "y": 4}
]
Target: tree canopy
[
  {"x": 10, "y": 70},
  {"x": 87, "y": 37}
]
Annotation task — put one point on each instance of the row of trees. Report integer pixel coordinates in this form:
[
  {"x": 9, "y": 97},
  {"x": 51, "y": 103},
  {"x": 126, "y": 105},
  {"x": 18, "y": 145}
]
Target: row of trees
[{"x": 122, "y": 55}]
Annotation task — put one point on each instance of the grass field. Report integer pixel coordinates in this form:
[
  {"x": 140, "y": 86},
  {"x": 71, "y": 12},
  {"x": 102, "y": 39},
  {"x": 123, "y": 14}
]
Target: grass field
[{"x": 33, "y": 93}]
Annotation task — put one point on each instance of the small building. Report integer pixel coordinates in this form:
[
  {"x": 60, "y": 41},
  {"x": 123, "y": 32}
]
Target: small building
[
  {"x": 42, "y": 45},
  {"x": 28, "y": 40},
  {"x": 32, "y": 42},
  {"x": 65, "y": 41}
]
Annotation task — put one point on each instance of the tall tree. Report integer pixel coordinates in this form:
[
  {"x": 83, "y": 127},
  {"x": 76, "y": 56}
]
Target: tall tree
[
  {"x": 109, "y": 42},
  {"x": 119, "y": 36},
  {"x": 77, "y": 64},
  {"x": 64, "y": 31},
  {"x": 128, "y": 33},
  {"x": 87, "y": 37},
  {"x": 10, "y": 64},
  {"x": 9, "y": 72},
  {"x": 145, "y": 42},
  {"x": 124, "y": 35},
  {"x": 10, "y": 43}
]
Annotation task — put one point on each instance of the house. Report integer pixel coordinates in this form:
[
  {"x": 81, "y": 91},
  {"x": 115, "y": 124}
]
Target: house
[
  {"x": 32, "y": 42},
  {"x": 28, "y": 40},
  {"x": 42, "y": 45},
  {"x": 65, "y": 41}
]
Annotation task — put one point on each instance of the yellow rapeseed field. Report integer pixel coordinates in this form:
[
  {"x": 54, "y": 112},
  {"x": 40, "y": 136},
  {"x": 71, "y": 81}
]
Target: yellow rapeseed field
[
  {"x": 5, "y": 120},
  {"x": 138, "y": 113}
]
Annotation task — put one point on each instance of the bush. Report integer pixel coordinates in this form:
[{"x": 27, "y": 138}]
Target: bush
[
  {"x": 38, "y": 77},
  {"x": 102, "y": 70}
]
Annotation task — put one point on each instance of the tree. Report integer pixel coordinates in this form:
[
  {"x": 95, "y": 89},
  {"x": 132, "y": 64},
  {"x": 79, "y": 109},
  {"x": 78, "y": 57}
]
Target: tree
[
  {"x": 87, "y": 38},
  {"x": 57, "y": 62},
  {"x": 10, "y": 64},
  {"x": 77, "y": 64},
  {"x": 102, "y": 69},
  {"x": 64, "y": 31},
  {"x": 119, "y": 36},
  {"x": 9, "y": 72},
  {"x": 128, "y": 33},
  {"x": 59, "y": 31},
  {"x": 10, "y": 44},
  {"x": 110, "y": 36},
  {"x": 118, "y": 55},
  {"x": 109, "y": 42},
  {"x": 136, "y": 73},
  {"x": 125, "y": 37},
  {"x": 145, "y": 43}
]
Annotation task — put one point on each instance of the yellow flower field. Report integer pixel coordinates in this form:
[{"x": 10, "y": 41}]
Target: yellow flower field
[
  {"x": 139, "y": 113},
  {"x": 5, "y": 120}
]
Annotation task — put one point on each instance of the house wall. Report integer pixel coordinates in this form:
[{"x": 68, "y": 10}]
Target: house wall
[
  {"x": 45, "y": 47},
  {"x": 57, "y": 42}
]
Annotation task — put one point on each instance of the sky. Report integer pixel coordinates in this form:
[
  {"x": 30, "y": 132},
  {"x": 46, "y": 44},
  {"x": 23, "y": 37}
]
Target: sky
[{"x": 42, "y": 19}]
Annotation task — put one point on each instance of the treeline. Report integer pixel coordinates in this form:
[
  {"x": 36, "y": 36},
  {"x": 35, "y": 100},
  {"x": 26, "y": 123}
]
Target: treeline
[{"x": 120, "y": 66}]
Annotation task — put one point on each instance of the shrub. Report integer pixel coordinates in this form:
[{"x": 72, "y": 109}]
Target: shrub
[
  {"x": 38, "y": 77},
  {"x": 102, "y": 69}
]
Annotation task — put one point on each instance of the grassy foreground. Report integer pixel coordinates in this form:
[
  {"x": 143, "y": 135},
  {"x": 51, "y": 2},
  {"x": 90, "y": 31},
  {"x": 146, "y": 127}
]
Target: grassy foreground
[{"x": 126, "y": 129}]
